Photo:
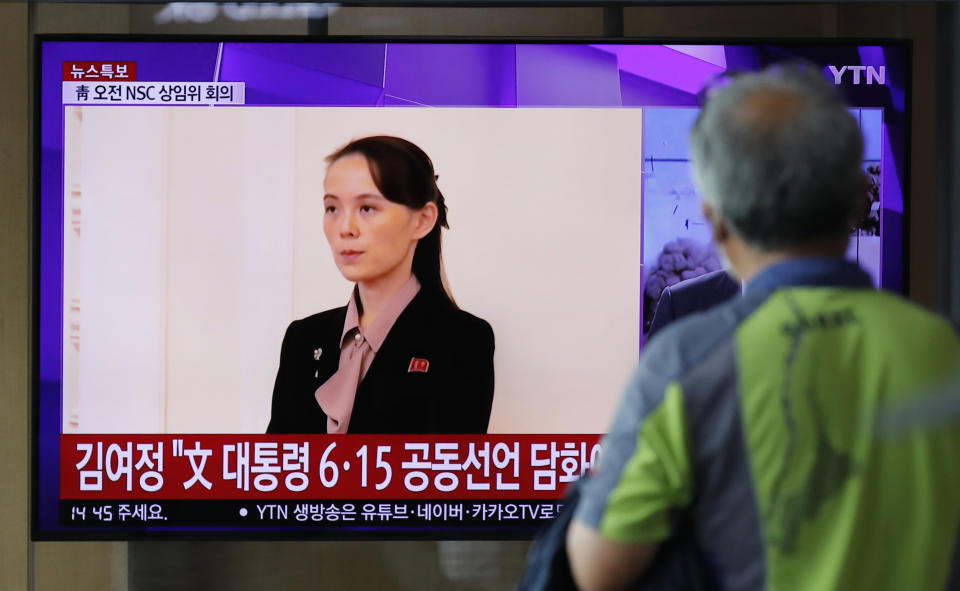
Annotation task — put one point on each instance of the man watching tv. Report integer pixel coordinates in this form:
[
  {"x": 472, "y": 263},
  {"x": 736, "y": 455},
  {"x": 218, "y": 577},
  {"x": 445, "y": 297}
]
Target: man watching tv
[{"x": 744, "y": 454}]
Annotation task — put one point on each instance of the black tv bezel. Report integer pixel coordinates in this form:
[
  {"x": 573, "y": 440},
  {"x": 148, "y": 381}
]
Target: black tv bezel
[{"x": 250, "y": 534}]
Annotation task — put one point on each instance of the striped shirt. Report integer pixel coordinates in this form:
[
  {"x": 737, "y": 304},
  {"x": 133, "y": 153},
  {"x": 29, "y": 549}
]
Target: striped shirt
[{"x": 749, "y": 437}]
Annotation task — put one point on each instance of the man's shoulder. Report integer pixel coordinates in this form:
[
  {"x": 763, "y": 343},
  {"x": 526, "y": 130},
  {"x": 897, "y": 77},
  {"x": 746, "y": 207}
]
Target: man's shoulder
[
  {"x": 718, "y": 279},
  {"x": 903, "y": 319},
  {"x": 688, "y": 341},
  {"x": 694, "y": 295}
]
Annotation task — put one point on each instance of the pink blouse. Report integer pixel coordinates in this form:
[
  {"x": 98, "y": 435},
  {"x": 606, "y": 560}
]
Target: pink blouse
[{"x": 358, "y": 347}]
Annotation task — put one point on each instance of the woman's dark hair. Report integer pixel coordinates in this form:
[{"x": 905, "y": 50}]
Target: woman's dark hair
[{"x": 404, "y": 174}]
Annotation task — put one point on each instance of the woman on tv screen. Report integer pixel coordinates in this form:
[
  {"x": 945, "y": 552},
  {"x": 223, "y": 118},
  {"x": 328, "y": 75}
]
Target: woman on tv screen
[{"x": 400, "y": 357}]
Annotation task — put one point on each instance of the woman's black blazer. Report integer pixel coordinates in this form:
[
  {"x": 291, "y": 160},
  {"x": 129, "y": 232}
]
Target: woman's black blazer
[{"x": 453, "y": 395}]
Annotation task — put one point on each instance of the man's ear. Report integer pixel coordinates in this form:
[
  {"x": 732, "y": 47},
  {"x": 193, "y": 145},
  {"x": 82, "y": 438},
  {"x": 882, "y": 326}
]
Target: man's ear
[
  {"x": 718, "y": 226},
  {"x": 426, "y": 218}
]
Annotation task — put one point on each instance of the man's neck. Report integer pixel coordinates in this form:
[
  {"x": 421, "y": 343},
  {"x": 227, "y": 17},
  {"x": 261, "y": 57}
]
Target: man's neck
[{"x": 748, "y": 261}]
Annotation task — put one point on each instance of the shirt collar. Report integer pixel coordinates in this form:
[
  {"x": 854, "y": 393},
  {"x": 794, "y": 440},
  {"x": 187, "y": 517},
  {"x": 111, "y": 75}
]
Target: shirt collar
[
  {"x": 811, "y": 272},
  {"x": 377, "y": 332}
]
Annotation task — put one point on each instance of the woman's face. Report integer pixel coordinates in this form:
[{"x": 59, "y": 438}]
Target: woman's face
[{"x": 371, "y": 237}]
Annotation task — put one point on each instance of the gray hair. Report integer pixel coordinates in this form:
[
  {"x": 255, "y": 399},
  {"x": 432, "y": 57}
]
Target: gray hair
[{"x": 779, "y": 157}]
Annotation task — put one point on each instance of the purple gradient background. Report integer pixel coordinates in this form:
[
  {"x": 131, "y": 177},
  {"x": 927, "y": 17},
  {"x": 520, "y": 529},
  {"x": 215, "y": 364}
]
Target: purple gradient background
[{"x": 503, "y": 75}]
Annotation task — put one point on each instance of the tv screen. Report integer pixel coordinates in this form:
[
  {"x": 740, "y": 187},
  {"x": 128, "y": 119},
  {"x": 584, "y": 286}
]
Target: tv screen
[{"x": 204, "y": 366}]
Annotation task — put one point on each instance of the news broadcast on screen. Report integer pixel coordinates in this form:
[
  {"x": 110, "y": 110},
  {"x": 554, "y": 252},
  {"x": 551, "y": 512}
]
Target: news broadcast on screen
[{"x": 364, "y": 288}]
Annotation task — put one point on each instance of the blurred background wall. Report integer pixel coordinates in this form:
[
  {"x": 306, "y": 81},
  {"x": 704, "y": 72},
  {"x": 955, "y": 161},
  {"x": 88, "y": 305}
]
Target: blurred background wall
[{"x": 934, "y": 250}]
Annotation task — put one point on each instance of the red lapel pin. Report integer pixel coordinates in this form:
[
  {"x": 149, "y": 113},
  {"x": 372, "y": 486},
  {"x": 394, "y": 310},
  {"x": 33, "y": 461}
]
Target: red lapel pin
[{"x": 418, "y": 364}]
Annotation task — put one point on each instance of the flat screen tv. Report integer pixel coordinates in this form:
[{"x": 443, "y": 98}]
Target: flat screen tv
[{"x": 186, "y": 225}]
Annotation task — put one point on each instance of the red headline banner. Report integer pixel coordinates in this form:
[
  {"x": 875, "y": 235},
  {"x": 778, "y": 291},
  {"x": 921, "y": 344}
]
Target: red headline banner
[
  {"x": 322, "y": 466},
  {"x": 99, "y": 71}
]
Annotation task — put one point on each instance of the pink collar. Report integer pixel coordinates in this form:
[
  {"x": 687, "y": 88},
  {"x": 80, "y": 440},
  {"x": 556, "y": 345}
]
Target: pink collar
[{"x": 377, "y": 332}]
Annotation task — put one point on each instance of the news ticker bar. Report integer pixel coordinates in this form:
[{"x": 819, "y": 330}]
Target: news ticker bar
[
  {"x": 341, "y": 515},
  {"x": 146, "y": 468},
  {"x": 153, "y": 93}
]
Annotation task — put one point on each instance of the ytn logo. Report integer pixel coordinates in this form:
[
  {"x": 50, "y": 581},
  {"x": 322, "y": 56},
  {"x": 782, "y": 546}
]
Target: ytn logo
[{"x": 873, "y": 75}]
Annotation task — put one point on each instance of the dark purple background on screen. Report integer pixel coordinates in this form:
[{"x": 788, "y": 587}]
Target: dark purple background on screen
[{"x": 379, "y": 74}]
